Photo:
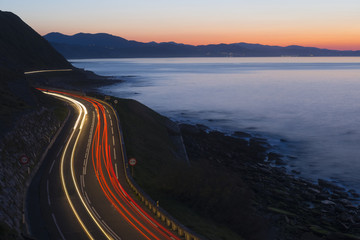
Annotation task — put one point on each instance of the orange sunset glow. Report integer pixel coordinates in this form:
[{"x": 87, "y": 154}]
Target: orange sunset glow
[{"x": 323, "y": 24}]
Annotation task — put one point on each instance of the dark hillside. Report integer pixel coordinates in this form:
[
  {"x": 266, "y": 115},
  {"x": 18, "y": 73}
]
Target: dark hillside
[
  {"x": 22, "y": 110},
  {"x": 23, "y": 49}
]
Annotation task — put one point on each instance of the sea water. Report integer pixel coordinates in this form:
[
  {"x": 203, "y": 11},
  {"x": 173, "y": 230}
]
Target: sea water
[{"x": 308, "y": 108}]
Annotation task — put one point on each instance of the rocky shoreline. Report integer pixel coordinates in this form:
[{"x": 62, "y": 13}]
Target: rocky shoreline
[{"x": 295, "y": 208}]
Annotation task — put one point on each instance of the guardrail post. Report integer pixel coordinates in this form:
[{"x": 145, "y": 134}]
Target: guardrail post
[
  {"x": 153, "y": 208},
  {"x": 168, "y": 222},
  {"x": 173, "y": 226},
  {"x": 180, "y": 232}
]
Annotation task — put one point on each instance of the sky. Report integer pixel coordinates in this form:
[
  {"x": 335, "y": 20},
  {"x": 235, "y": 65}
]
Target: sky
[{"x": 332, "y": 24}]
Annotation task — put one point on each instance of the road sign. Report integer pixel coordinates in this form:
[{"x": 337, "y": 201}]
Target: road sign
[
  {"x": 132, "y": 161},
  {"x": 24, "y": 159}
]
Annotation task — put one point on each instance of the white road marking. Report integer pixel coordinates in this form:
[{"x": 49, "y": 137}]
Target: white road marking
[
  {"x": 113, "y": 140},
  {"x": 87, "y": 198},
  {"x": 48, "y": 192},
  {"x": 116, "y": 171},
  {"x": 114, "y": 154},
  {"x": 111, "y": 231},
  {"x": 89, "y": 144},
  {"x": 122, "y": 190},
  {"x": 111, "y": 122},
  {"x": 57, "y": 226},
  {"x": 52, "y": 165},
  {"x": 59, "y": 151},
  {"x": 96, "y": 213},
  {"x": 112, "y": 131},
  {"x": 84, "y": 168},
  {"x": 82, "y": 181}
]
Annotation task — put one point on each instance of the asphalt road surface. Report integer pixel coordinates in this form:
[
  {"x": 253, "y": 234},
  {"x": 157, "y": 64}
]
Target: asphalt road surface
[{"x": 80, "y": 190}]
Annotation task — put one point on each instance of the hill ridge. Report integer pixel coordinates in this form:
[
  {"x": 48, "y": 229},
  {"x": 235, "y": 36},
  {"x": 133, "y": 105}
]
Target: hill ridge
[{"x": 104, "y": 45}]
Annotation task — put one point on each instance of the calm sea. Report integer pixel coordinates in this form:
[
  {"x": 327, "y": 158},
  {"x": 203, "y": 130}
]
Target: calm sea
[{"x": 308, "y": 108}]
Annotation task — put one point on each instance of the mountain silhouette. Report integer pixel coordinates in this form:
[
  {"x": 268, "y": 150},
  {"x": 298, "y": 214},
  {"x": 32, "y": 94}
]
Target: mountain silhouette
[{"x": 103, "y": 45}]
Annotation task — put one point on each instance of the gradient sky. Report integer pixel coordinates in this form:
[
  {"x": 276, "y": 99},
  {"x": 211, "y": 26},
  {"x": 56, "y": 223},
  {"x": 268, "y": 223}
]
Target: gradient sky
[{"x": 333, "y": 24}]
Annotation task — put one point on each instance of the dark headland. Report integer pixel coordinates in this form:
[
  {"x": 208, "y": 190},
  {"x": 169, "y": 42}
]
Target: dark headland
[{"x": 226, "y": 190}]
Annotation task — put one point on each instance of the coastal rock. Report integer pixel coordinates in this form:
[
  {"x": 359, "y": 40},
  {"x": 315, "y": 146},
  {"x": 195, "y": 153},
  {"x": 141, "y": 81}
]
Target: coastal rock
[
  {"x": 353, "y": 193},
  {"x": 345, "y": 201},
  {"x": 344, "y": 217},
  {"x": 242, "y": 134},
  {"x": 295, "y": 201},
  {"x": 314, "y": 190},
  {"x": 295, "y": 171},
  {"x": 327, "y": 184},
  {"x": 328, "y": 202},
  {"x": 191, "y": 129}
]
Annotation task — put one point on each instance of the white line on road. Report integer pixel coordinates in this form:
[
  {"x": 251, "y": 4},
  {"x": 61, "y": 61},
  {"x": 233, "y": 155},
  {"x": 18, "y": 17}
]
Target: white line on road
[
  {"x": 52, "y": 165},
  {"x": 57, "y": 226},
  {"x": 89, "y": 144},
  {"x": 111, "y": 122},
  {"x": 96, "y": 213},
  {"x": 114, "y": 154},
  {"x": 111, "y": 231},
  {"x": 116, "y": 171},
  {"x": 87, "y": 198},
  {"x": 82, "y": 181},
  {"x": 112, "y": 131},
  {"x": 48, "y": 192},
  {"x": 59, "y": 151},
  {"x": 113, "y": 140}
]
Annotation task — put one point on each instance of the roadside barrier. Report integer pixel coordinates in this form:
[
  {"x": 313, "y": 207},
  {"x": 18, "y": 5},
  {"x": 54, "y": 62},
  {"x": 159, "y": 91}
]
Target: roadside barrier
[{"x": 158, "y": 212}]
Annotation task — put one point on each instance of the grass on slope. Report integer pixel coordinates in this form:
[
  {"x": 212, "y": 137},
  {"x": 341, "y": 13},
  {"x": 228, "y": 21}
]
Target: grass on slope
[{"x": 159, "y": 171}]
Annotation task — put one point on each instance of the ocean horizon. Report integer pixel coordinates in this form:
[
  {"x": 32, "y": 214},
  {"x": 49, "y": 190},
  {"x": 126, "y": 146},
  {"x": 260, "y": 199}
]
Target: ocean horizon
[{"x": 307, "y": 107}]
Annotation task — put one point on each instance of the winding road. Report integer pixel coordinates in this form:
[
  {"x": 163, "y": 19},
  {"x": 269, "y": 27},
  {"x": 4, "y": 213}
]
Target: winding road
[{"x": 80, "y": 191}]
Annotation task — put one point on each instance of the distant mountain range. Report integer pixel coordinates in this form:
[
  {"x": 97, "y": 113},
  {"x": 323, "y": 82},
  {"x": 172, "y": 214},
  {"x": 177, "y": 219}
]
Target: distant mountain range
[{"x": 102, "y": 45}]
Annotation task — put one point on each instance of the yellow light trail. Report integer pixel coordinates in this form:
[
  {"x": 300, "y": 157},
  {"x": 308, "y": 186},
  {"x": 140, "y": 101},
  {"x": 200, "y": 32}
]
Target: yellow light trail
[
  {"x": 49, "y": 70},
  {"x": 104, "y": 151},
  {"x": 81, "y": 108}
]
